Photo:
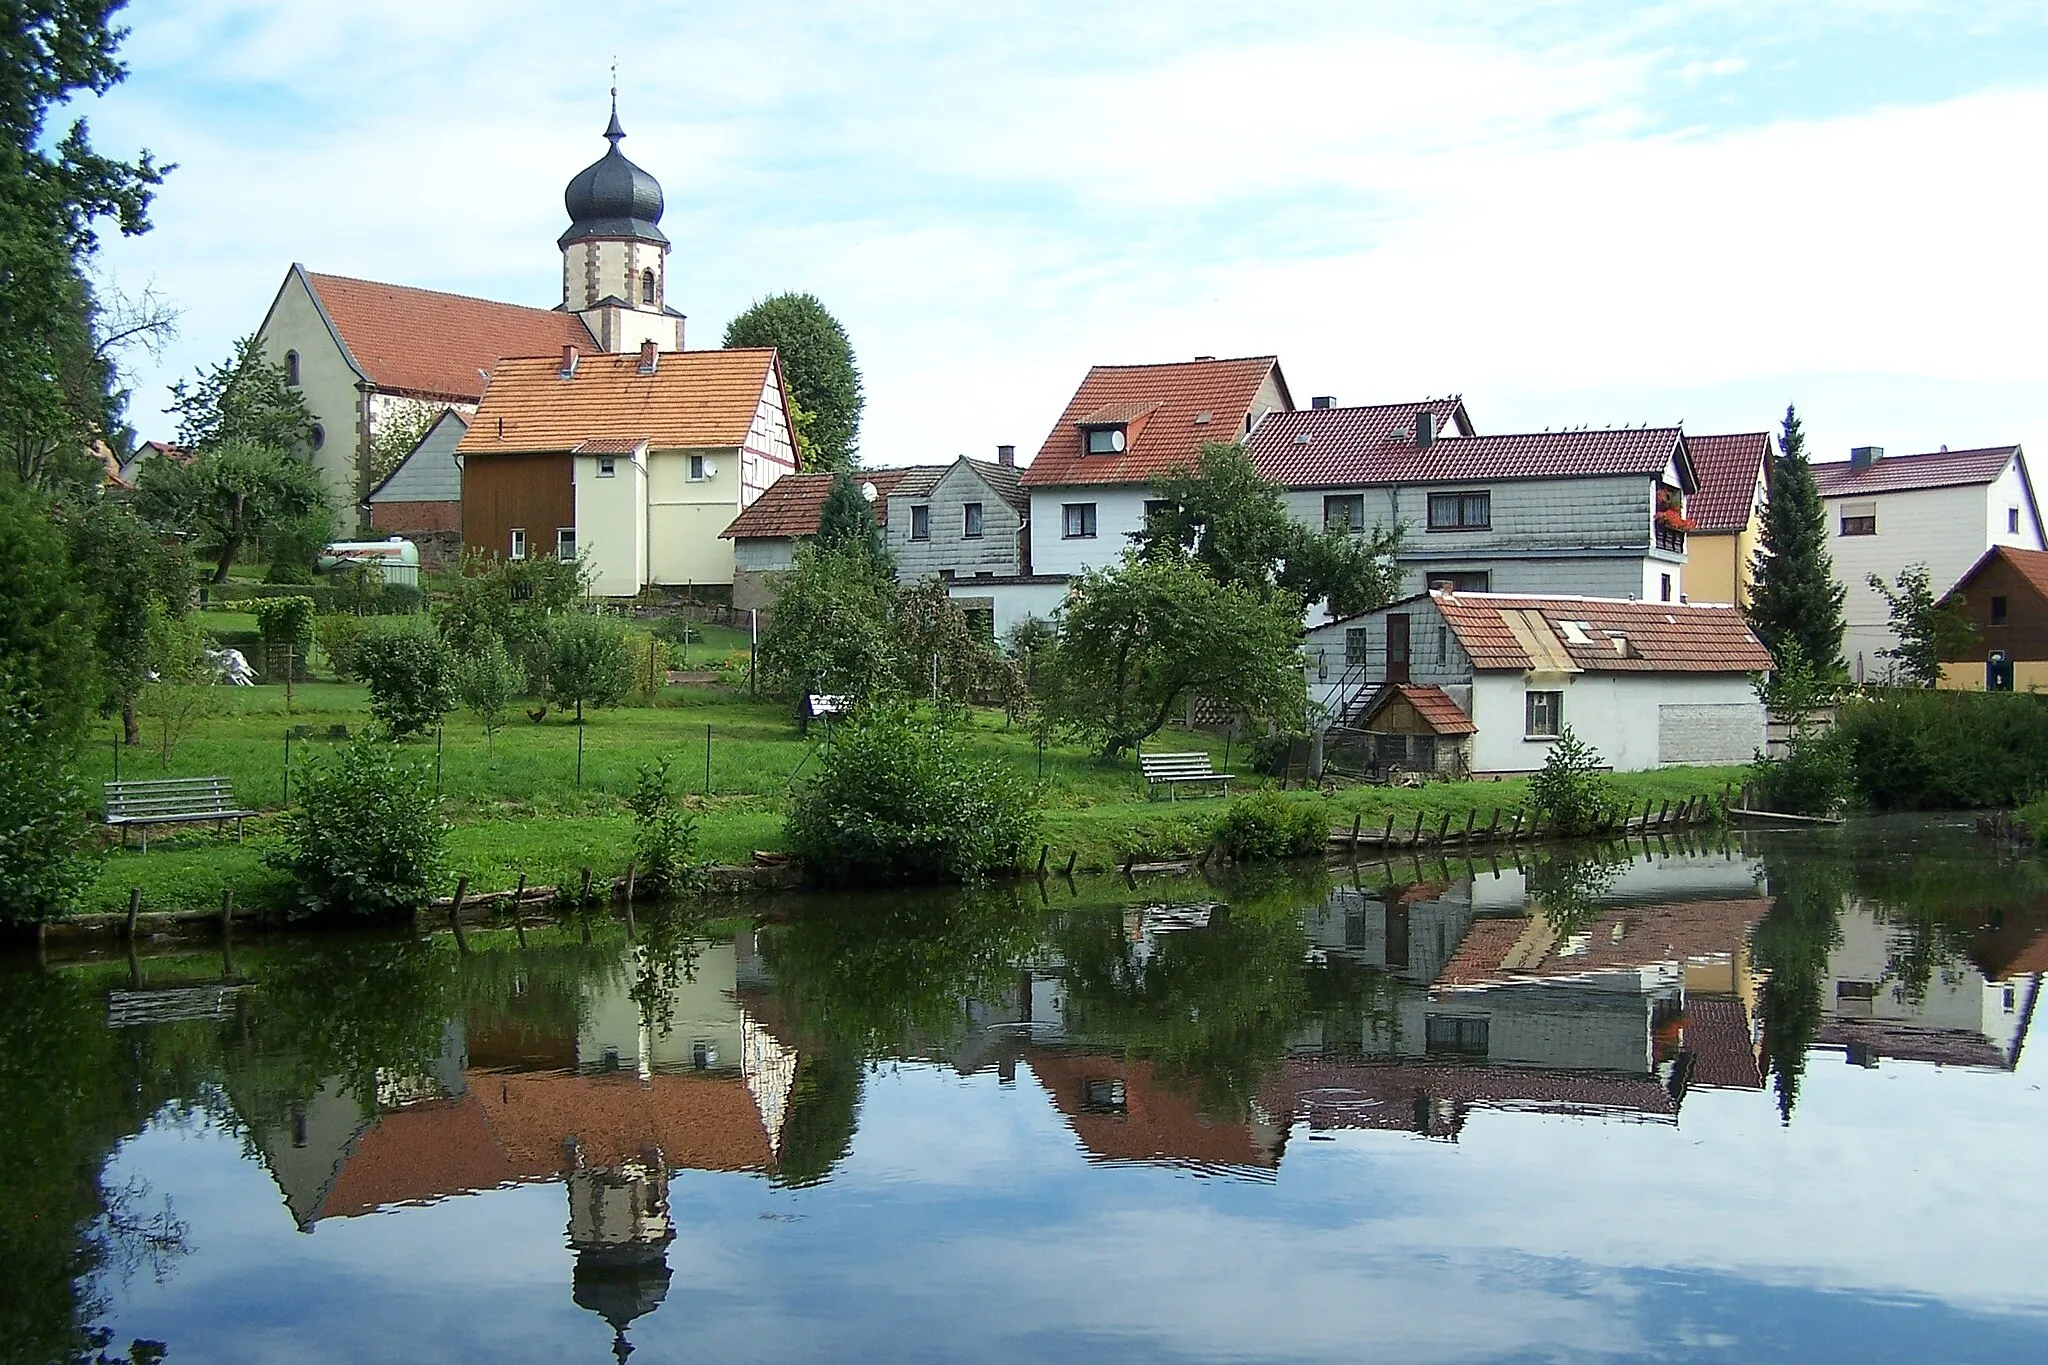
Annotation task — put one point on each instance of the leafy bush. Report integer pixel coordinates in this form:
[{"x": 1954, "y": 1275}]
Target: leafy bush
[
  {"x": 411, "y": 676},
  {"x": 676, "y": 630},
  {"x": 664, "y": 832},
  {"x": 42, "y": 820},
  {"x": 1942, "y": 750},
  {"x": 340, "y": 638},
  {"x": 183, "y": 687},
  {"x": 486, "y": 681},
  {"x": 286, "y": 625},
  {"x": 1266, "y": 826},
  {"x": 590, "y": 662},
  {"x": 1816, "y": 777},
  {"x": 650, "y": 668},
  {"x": 366, "y": 836},
  {"x": 898, "y": 799},
  {"x": 1569, "y": 791}
]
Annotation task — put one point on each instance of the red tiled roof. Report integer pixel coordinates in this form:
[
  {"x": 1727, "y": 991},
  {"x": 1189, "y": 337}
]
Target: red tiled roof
[
  {"x": 792, "y": 504},
  {"x": 693, "y": 400},
  {"x": 610, "y": 445},
  {"x": 1503, "y": 950},
  {"x": 1167, "y": 436},
  {"x": 1342, "y": 452},
  {"x": 418, "y": 1154},
  {"x": 1668, "y": 637},
  {"x": 1160, "y": 1123},
  {"x": 1435, "y": 707},
  {"x": 1912, "y": 1043},
  {"x": 1902, "y": 473},
  {"x": 425, "y": 343},
  {"x": 1717, "y": 1034},
  {"x": 1412, "y": 1096},
  {"x": 1728, "y": 468},
  {"x": 2031, "y": 565}
]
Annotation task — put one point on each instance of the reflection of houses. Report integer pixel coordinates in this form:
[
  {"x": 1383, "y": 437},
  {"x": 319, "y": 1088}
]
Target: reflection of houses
[
  {"x": 1961, "y": 1015},
  {"x": 1121, "y": 1111}
]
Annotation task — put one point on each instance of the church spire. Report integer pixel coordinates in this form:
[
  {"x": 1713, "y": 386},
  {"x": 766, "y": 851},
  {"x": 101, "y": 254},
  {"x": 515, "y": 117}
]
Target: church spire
[{"x": 613, "y": 132}]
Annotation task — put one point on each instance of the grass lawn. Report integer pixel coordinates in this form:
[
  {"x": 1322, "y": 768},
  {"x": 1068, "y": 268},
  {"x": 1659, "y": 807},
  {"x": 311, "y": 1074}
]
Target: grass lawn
[{"x": 516, "y": 805}]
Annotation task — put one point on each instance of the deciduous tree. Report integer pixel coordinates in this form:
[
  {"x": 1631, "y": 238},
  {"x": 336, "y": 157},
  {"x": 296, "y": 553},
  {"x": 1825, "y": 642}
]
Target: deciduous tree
[
  {"x": 1928, "y": 630},
  {"x": 227, "y": 494},
  {"x": 831, "y": 629},
  {"x": 589, "y": 662},
  {"x": 817, "y": 365},
  {"x": 125, "y": 568},
  {"x": 1796, "y": 596}
]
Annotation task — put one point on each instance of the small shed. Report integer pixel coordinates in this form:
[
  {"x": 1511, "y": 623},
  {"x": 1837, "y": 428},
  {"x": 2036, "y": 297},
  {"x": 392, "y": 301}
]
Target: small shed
[
  {"x": 422, "y": 497},
  {"x": 1419, "y": 728}
]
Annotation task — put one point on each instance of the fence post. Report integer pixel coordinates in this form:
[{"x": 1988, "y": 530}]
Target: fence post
[
  {"x": 579, "y": 757},
  {"x": 437, "y": 758},
  {"x": 519, "y": 901},
  {"x": 753, "y": 651},
  {"x": 134, "y": 911},
  {"x": 455, "y": 915},
  {"x": 117, "y": 758},
  {"x": 287, "y": 765},
  {"x": 583, "y": 904},
  {"x": 707, "y": 760}
]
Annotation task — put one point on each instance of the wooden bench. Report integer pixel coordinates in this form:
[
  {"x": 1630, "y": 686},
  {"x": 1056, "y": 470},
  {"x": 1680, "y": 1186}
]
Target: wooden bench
[
  {"x": 1174, "y": 770},
  {"x": 173, "y": 801}
]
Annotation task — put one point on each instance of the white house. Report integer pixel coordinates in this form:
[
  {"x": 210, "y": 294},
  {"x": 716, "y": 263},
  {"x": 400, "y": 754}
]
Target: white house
[
  {"x": 1647, "y": 684},
  {"x": 1943, "y": 509}
]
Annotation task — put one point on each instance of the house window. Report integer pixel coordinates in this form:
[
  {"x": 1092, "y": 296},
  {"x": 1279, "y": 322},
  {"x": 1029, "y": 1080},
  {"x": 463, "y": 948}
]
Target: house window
[
  {"x": 291, "y": 368},
  {"x": 1859, "y": 518},
  {"x": 647, "y": 287},
  {"x": 1157, "y": 507},
  {"x": 519, "y": 542},
  {"x": 920, "y": 523},
  {"x": 1464, "y": 580},
  {"x": 607, "y": 467},
  {"x": 1455, "y": 1034},
  {"x": 2012, "y": 520},
  {"x": 1103, "y": 1097},
  {"x": 697, "y": 469},
  {"x": 970, "y": 521},
  {"x": 1344, "y": 512},
  {"x": 1077, "y": 521},
  {"x": 1105, "y": 440},
  {"x": 1543, "y": 714},
  {"x": 1664, "y": 586},
  {"x": 565, "y": 544},
  {"x": 1443, "y": 646},
  {"x": 1460, "y": 511},
  {"x": 1998, "y": 611},
  {"x": 1357, "y": 649}
]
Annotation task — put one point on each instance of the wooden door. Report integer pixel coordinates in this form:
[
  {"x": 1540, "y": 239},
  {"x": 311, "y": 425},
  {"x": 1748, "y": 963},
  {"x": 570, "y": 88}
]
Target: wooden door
[{"x": 1397, "y": 648}]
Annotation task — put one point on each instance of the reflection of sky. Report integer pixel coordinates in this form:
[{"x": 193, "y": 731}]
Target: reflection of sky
[{"x": 1898, "y": 1218}]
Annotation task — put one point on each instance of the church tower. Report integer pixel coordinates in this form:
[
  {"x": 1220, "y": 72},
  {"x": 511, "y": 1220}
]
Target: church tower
[{"x": 614, "y": 256}]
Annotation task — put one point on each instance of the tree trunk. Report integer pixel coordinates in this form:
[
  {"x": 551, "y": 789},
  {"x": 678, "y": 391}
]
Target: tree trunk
[
  {"x": 131, "y": 728},
  {"x": 227, "y": 558}
]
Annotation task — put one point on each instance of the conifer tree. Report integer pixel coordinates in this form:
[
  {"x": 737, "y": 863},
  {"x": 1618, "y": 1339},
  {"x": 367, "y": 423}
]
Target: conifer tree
[
  {"x": 1796, "y": 597},
  {"x": 848, "y": 519}
]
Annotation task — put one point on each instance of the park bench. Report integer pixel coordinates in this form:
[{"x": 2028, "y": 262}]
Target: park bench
[
  {"x": 173, "y": 801},
  {"x": 1174, "y": 770}
]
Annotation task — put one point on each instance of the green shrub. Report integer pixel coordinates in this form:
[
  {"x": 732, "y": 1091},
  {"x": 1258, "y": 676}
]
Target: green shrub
[
  {"x": 42, "y": 820},
  {"x": 590, "y": 662},
  {"x": 1816, "y": 777},
  {"x": 1942, "y": 750},
  {"x": 411, "y": 675},
  {"x": 286, "y": 625},
  {"x": 664, "y": 832},
  {"x": 486, "y": 681},
  {"x": 900, "y": 799},
  {"x": 1265, "y": 826},
  {"x": 366, "y": 836},
  {"x": 1569, "y": 792},
  {"x": 340, "y": 638}
]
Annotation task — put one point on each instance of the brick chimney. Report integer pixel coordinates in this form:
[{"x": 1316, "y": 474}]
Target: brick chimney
[
  {"x": 1863, "y": 457},
  {"x": 1006, "y": 456},
  {"x": 1425, "y": 428},
  {"x": 650, "y": 357},
  {"x": 568, "y": 363}
]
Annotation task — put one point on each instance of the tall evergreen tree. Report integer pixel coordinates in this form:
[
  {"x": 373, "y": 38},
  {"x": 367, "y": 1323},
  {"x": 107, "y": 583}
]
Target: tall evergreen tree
[
  {"x": 817, "y": 364},
  {"x": 848, "y": 520},
  {"x": 1796, "y": 596}
]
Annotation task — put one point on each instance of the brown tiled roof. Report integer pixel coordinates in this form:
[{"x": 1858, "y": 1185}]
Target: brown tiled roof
[
  {"x": 2032, "y": 565},
  {"x": 1504, "y": 950},
  {"x": 1902, "y": 473},
  {"x": 610, "y": 445},
  {"x": 1433, "y": 704},
  {"x": 1344, "y": 453},
  {"x": 418, "y": 1154},
  {"x": 693, "y": 400},
  {"x": 1717, "y": 1034},
  {"x": 1727, "y": 468},
  {"x": 1412, "y": 1096},
  {"x": 1662, "y": 637},
  {"x": 1161, "y": 1123},
  {"x": 1343, "y": 442},
  {"x": 1171, "y": 397},
  {"x": 791, "y": 505},
  {"x": 430, "y": 344},
  {"x": 1883, "y": 1038},
  {"x": 700, "y": 1122}
]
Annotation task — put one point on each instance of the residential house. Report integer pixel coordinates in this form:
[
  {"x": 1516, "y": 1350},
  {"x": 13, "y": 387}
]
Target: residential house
[
  {"x": 359, "y": 351},
  {"x": 1943, "y": 509},
  {"x": 765, "y": 536},
  {"x": 1647, "y": 684},
  {"x": 1598, "y": 513},
  {"x": 637, "y": 463},
  {"x": 2004, "y": 597},
  {"x": 1727, "y": 514},
  {"x": 421, "y": 498},
  {"x": 1957, "y": 1014},
  {"x": 1125, "y": 427}
]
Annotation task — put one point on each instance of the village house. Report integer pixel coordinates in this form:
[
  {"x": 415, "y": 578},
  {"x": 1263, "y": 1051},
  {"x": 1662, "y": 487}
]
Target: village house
[
  {"x": 1943, "y": 509},
  {"x": 421, "y": 498},
  {"x": 1965, "y": 1013},
  {"x": 765, "y": 536},
  {"x": 1599, "y": 513},
  {"x": 634, "y": 463},
  {"x": 361, "y": 352},
  {"x": 2004, "y": 597},
  {"x": 1647, "y": 684},
  {"x": 1727, "y": 514}
]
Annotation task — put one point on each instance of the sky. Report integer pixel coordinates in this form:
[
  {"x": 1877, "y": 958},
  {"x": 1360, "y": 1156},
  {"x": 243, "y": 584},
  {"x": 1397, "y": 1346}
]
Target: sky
[{"x": 1572, "y": 214}]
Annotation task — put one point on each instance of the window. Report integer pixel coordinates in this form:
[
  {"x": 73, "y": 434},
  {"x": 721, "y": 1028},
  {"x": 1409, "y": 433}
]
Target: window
[
  {"x": 1460, "y": 511},
  {"x": 697, "y": 469},
  {"x": 1157, "y": 506},
  {"x": 607, "y": 467},
  {"x": 1344, "y": 512},
  {"x": 920, "y": 523},
  {"x": 565, "y": 544},
  {"x": 1077, "y": 521},
  {"x": 970, "y": 521},
  {"x": 2012, "y": 520},
  {"x": 1105, "y": 440},
  {"x": 1463, "y": 580},
  {"x": 1443, "y": 646},
  {"x": 1544, "y": 714},
  {"x": 291, "y": 368},
  {"x": 518, "y": 542},
  {"x": 1998, "y": 611},
  {"x": 647, "y": 287},
  {"x": 1859, "y": 518},
  {"x": 319, "y": 436},
  {"x": 1456, "y": 1034},
  {"x": 1664, "y": 587},
  {"x": 1357, "y": 647},
  {"x": 1103, "y": 1097}
]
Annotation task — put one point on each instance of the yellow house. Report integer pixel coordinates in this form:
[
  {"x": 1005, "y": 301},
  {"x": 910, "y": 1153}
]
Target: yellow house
[{"x": 1727, "y": 515}]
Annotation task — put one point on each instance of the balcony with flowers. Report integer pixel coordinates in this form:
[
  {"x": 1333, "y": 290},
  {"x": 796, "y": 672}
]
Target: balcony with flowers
[{"x": 1670, "y": 521}]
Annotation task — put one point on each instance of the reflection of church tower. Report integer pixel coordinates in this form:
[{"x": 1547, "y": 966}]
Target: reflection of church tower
[
  {"x": 614, "y": 255},
  {"x": 620, "y": 1231}
]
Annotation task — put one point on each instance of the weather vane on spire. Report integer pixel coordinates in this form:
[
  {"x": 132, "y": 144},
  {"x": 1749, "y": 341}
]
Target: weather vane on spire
[{"x": 613, "y": 132}]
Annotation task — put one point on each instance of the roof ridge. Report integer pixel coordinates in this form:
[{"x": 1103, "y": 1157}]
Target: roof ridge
[
  {"x": 422, "y": 289},
  {"x": 1195, "y": 360}
]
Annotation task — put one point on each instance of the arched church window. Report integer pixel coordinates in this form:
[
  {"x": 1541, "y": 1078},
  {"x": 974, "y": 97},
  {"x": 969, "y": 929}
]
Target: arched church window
[
  {"x": 647, "y": 286},
  {"x": 291, "y": 368}
]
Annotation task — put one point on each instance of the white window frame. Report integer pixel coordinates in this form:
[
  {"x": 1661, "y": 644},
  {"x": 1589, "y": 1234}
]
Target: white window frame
[
  {"x": 1530, "y": 717},
  {"x": 607, "y": 467},
  {"x": 697, "y": 474},
  {"x": 565, "y": 538},
  {"x": 519, "y": 542}
]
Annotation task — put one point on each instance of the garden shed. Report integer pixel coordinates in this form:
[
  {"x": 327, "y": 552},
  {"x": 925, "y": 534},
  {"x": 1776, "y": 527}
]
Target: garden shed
[{"x": 1419, "y": 728}]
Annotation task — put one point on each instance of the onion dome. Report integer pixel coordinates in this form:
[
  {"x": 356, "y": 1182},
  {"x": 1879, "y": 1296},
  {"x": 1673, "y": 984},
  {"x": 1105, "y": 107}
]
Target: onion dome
[{"x": 612, "y": 197}]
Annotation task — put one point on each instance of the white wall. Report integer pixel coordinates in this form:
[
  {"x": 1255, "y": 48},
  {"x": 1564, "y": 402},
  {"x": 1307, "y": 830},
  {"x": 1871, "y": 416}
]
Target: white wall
[
  {"x": 1012, "y": 602},
  {"x": 1119, "y": 511},
  {"x": 611, "y": 523},
  {"x": 1619, "y": 714}
]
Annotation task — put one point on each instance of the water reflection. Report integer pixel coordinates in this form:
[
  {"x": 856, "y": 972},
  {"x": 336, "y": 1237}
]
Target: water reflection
[{"x": 1182, "y": 1027}]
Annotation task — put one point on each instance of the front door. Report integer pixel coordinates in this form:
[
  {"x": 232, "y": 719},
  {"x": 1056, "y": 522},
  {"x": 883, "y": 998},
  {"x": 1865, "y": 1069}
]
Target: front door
[{"x": 1397, "y": 648}]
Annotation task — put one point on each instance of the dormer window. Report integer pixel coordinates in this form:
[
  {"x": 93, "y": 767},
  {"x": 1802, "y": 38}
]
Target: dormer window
[{"x": 1106, "y": 440}]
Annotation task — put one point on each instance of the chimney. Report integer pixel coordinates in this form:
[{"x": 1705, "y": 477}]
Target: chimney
[
  {"x": 649, "y": 357},
  {"x": 1425, "y": 428},
  {"x": 1324, "y": 401},
  {"x": 568, "y": 363},
  {"x": 1863, "y": 457},
  {"x": 1006, "y": 456},
  {"x": 1447, "y": 586}
]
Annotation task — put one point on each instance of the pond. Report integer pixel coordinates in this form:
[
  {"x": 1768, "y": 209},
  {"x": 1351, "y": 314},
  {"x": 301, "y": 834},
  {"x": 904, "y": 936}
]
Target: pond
[{"x": 1759, "y": 1097}]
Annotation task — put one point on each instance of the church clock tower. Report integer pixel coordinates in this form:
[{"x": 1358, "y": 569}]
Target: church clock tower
[{"x": 614, "y": 256}]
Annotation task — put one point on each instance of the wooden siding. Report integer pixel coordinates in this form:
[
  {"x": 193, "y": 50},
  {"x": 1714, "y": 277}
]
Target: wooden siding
[
  {"x": 2024, "y": 634},
  {"x": 500, "y": 492}
]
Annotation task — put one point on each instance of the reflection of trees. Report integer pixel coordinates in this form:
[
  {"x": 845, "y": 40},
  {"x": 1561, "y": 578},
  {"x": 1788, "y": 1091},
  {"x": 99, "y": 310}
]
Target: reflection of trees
[
  {"x": 1936, "y": 904},
  {"x": 665, "y": 960},
  {"x": 1569, "y": 885},
  {"x": 824, "y": 1110},
  {"x": 1792, "y": 944}
]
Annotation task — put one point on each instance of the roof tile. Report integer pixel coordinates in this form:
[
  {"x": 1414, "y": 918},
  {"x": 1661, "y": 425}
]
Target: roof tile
[
  {"x": 1903, "y": 473},
  {"x": 792, "y": 504},
  {"x": 1728, "y": 468},
  {"x": 1171, "y": 397},
  {"x": 693, "y": 400},
  {"x": 1347, "y": 447},
  {"x": 1668, "y": 637},
  {"x": 430, "y": 344}
]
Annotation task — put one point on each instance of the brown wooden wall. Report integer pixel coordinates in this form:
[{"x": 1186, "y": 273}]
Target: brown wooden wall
[
  {"x": 2025, "y": 632},
  {"x": 500, "y": 492}
]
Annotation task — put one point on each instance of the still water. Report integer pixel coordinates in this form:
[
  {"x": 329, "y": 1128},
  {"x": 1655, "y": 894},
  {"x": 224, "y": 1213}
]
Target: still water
[{"x": 1759, "y": 1099}]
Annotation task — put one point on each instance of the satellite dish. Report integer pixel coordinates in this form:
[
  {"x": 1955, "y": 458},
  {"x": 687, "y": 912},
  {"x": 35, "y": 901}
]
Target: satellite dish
[
  {"x": 867, "y": 490},
  {"x": 1116, "y": 440}
]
